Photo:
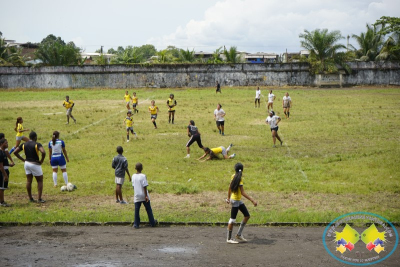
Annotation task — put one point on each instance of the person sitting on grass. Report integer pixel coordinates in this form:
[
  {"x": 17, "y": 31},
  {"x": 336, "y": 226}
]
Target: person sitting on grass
[
  {"x": 212, "y": 153},
  {"x": 120, "y": 164}
]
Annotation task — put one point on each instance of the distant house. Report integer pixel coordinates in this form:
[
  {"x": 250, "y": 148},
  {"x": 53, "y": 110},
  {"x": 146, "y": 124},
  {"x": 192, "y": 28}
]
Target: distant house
[
  {"x": 204, "y": 56},
  {"x": 261, "y": 57},
  {"x": 91, "y": 57},
  {"x": 27, "y": 49},
  {"x": 295, "y": 57}
]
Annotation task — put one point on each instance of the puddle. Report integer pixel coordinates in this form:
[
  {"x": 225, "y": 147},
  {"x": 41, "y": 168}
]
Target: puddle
[{"x": 177, "y": 250}]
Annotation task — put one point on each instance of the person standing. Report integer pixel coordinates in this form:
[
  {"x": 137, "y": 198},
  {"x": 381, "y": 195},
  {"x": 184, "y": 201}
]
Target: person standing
[
  {"x": 32, "y": 164},
  {"x": 69, "y": 104},
  {"x": 194, "y": 134},
  {"x": 153, "y": 109},
  {"x": 58, "y": 155},
  {"x": 141, "y": 196},
  {"x": 129, "y": 125},
  {"x": 4, "y": 171},
  {"x": 273, "y": 121},
  {"x": 258, "y": 96},
  {"x": 120, "y": 164},
  {"x": 171, "y": 103},
  {"x": 11, "y": 162},
  {"x": 219, "y": 116},
  {"x": 271, "y": 98},
  {"x": 20, "y": 133},
  {"x": 286, "y": 104},
  {"x": 218, "y": 88},
  {"x": 235, "y": 193},
  {"x": 127, "y": 99},
  {"x": 135, "y": 103}
]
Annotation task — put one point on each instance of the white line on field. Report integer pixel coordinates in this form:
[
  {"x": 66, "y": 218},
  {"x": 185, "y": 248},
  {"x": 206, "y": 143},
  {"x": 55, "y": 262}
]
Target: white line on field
[{"x": 53, "y": 113}]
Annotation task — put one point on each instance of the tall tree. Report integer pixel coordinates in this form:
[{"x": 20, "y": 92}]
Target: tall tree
[
  {"x": 128, "y": 55},
  {"x": 216, "y": 56},
  {"x": 370, "y": 43},
  {"x": 232, "y": 55},
  {"x": 53, "y": 51},
  {"x": 147, "y": 51},
  {"x": 187, "y": 56},
  {"x": 391, "y": 48},
  {"x": 10, "y": 55}
]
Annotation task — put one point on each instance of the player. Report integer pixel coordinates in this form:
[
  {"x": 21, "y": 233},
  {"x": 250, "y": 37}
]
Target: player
[
  {"x": 271, "y": 98},
  {"x": 194, "y": 134},
  {"x": 213, "y": 153},
  {"x": 120, "y": 164},
  {"x": 127, "y": 99},
  {"x": 58, "y": 157},
  {"x": 4, "y": 170},
  {"x": 69, "y": 104},
  {"x": 20, "y": 133},
  {"x": 219, "y": 117},
  {"x": 218, "y": 88},
  {"x": 128, "y": 121},
  {"x": 258, "y": 95},
  {"x": 235, "y": 193},
  {"x": 135, "y": 103},
  {"x": 153, "y": 109},
  {"x": 11, "y": 162},
  {"x": 286, "y": 104},
  {"x": 273, "y": 121},
  {"x": 171, "y": 103}
]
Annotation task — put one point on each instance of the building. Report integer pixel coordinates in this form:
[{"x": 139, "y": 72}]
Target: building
[{"x": 261, "y": 57}]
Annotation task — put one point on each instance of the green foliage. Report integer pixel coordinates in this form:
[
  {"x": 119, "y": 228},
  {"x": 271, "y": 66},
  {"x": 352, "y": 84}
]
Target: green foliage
[
  {"x": 391, "y": 48},
  {"x": 216, "y": 56},
  {"x": 232, "y": 55},
  {"x": 187, "y": 56},
  {"x": 53, "y": 51},
  {"x": 370, "y": 44},
  {"x": 10, "y": 55},
  {"x": 147, "y": 51},
  {"x": 129, "y": 55},
  {"x": 101, "y": 60}
]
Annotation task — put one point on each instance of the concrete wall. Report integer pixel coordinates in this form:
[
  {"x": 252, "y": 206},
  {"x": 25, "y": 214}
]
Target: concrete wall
[{"x": 188, "y": 75}]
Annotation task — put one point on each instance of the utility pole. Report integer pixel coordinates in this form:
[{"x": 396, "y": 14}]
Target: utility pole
[
  {"x": 101, "y": 50},
  {"x": 348, "y": 37}
]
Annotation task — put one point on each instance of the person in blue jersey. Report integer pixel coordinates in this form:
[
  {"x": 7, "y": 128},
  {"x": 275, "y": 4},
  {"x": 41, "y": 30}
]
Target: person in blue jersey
[{"x": 59, "y": 157}]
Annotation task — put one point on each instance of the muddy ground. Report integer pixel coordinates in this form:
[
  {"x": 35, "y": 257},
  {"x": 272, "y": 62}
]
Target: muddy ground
[{"x": 165, "y": 246}]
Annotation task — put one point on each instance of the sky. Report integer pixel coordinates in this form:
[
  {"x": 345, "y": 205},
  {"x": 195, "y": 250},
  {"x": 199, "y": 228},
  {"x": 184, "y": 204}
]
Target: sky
[{"x": 271, "y": 26}]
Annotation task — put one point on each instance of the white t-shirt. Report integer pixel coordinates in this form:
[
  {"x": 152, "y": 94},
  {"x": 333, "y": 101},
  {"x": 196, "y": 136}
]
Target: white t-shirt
[
  {"x": 271, "y": 98},
  {"x": 286, "y": 100},
  {"x": 219, "y": 114},
  {"x": 139, "y": 181},
  {"x": 272, "y": 121},
  {"x": 258, "y": 93}
]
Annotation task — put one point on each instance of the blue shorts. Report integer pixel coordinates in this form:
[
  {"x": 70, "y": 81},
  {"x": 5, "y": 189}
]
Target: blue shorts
[{"x": 58, "y": 161}]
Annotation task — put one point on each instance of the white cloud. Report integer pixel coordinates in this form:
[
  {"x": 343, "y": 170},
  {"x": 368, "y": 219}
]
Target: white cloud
[{"x": 274, "y": 25}]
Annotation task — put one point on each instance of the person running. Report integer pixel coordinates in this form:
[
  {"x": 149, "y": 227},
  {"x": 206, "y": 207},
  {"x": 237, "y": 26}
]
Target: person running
[
  {"x": 258, "y": 96},
  {"x": 212, "y": 153},
  {"x": 69, "y": 104},
  {"x": 141, "y": 196},
  {"x": 153, "y": 109},
  {"x": 194, "y": 134},
  {"x": 218, "y": 88},
  {"x": 271, "y": 98},
  {"x": 11, "y": 162},
  {"x": 135, "y": 103},
  {"x": 58, "y": 155},
  {"x": 129, "y": 125},
  {"x": 273, "y": 121},
  {"x": 120, "y": 164},
  {"x": 4, "y": 170},
  {"x": 20, "y": 133},
  {"x": 286, "y": 104},
  {"x": 32, "y": 164},
  {"x": 127, "y": 98},
  {"x": 235, "y": 193},
  {"x": 219, "y": 117},
  {"x": 171, "y": 103}
]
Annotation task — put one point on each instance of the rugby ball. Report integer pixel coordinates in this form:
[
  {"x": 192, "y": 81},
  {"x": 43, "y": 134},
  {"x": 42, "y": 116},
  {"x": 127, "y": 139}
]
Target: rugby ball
[
  {"x": 63, "y": 188},
  {"x": 70, "y": 187}
]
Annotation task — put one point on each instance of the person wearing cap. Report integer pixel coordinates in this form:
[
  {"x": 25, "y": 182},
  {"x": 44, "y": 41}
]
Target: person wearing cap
[
  {"x": 194, "y": 134},
  {"x": 273, "y": 121},
  {"x": 171, "y": 103}
]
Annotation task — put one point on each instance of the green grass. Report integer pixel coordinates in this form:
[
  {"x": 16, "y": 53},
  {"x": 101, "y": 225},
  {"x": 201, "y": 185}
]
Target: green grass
[{"x": 341, "y": 154}]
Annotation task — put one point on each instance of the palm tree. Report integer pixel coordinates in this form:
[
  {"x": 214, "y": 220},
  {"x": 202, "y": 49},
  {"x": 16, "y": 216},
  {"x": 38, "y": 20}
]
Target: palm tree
[
  {"x": 370, "y": 44},
  {"x": 391, "y": 48},
  {"x": 129, "y": 55},
  {"x": 324, "y": 50},
  {"x": 187, "y": 56},
  {"x": 216, "y": 56},
  {"x": 55, "y": 52},
  {"x": 232, "y": 55},
  {"x": 10, "y": 55}
]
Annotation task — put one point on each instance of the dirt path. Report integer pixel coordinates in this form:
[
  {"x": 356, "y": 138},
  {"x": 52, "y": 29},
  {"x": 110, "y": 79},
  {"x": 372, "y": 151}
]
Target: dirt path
[{"x": 165, "y": 246}]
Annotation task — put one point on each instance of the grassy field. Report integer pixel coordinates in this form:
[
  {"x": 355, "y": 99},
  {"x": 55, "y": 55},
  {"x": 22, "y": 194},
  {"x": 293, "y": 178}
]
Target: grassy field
[{"x": 340, "y": 154}]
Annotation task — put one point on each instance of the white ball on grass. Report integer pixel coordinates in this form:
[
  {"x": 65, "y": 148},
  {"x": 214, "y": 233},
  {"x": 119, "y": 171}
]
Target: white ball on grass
[
  {"x": 63, "y": 188},
  {"x": 70, "y": 187}
]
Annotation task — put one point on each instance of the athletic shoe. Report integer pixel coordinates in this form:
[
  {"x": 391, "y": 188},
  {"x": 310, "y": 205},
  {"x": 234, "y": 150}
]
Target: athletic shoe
[
  {"x": 219, "y": 131},
  {"x": 75, "y": 121},
  {"x": 4, "y": 204},
  {"x": 232, "y": 241},
  {"x": 55, "y": 186},
  {"x": 274, "y": 146},
  {"x": 231, "y": 145},
  {"x": 127, "y": 141},
  {"x": 223, "y": 134},
  {"x": 135, "y": 134},
  {"x": 281, "y": 143},
  {"x": 41, "y": 201},
  {"x": 233, "y": 155},
  {"x": 123, "y": 202},
  {"x": 117, "y": 201},
  {"x": 187, "y": 156},
  {"x": 241, "y": 238},
  {"x": 155, "y": 223},
  {"x": 67, "y": 123},
  {"x": 32, "y": 200}
]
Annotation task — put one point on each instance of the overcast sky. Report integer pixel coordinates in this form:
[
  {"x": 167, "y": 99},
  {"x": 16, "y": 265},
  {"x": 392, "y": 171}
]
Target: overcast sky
[{"x": 205, "y": 25}]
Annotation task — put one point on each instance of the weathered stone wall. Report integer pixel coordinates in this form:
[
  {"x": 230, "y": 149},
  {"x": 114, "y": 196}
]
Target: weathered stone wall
[{"x": 188, "y": 75}]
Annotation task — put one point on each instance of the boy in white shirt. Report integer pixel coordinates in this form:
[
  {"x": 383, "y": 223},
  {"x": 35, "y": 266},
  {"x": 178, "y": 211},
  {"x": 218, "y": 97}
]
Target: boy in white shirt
[
  {"x": 141, "y": 196},
  {"x": 258, "y": 95}
]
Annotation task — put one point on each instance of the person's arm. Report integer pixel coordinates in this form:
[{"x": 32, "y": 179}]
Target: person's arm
[
  {"x": 157, "y": 110},
  {"x": 113, "y": 163},
  {"x": 188, "y": 132},
  {"x": 65, "y": 153},
  {"x": 279, "y": 119},
  {"x": 228, "y": 200},
  {"x": 3, "y": 171},
  {"x": 146, "y": 197},
  {"x": 223, "y": 114},
  {"x": 50, "y": 153},
  {"x": 72, "y": 105},
  {"x": 41, "y": 149},
  {"x": 202, "y": 156},
  {"x": 16, "y": 153},
  {"x": 274, "y": 98},
  {"x": 129, "y": 175},
  {"x": 124, "y": 122},
  {"x": 247, "y": 196},
  {"x": 12, "y": 164},
  {"x": 209, "y": 158}
]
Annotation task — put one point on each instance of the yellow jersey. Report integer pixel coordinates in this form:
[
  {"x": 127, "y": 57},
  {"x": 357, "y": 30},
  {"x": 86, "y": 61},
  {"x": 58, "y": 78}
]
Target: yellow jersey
[
  {"x": 127, "y": 98},
  {"x": 20, "y": 128},
  {"x": 134, "y": 99},
  {"x": 68, "y": 104},
  {"x": 171, "y": 103},
  {"x": 237, "y": 195},
  {"x": 153, "y": 110},
  {"x": 216, "y": 150},
  {"x": 129, "y": 121}
]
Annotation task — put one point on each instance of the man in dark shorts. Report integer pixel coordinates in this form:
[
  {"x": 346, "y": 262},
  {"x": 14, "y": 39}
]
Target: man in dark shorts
[
  {"x": 4, "y": 172},
  {"x": 218, "y": 88},
  {"x": 194, "y": 134},
  {"x": 32, "y": 164}
]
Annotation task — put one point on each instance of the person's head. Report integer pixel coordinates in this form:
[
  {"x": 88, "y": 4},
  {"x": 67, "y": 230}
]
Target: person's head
[
  {"x": 126, "y": 92},
  {"x": 237, "y": 178},
  {"x": 55, "y": 136},
  {"x": 171, "y": 96},
  {"x": 33, "y": 136},
  {"x": 2, "y": 135},
  {"x": 191, "y": 122},
  {"x": 19, "y": 120},
  {"x": 134, "y": 93},
  {"x": 258, "y": 88},
  {"x": 139, "y": 167},
  {"x": 3, "y": 143},
  {"x": 270, "y": 91},
  {"x": 219, "y": 106},
  {"x": 120, "y": 150},
  {"x": 271, "y": 113},
  {"x": 153, "y": 102},
  {"x": 67, "y": 98},
  {"x": 129, "y": 113},
  {"x": 287, "y": 94}
]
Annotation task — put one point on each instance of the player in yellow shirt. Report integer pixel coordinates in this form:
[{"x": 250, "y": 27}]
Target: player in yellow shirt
[
  {"x": 69, "y": 104},
  {"x": 235, "y": 193},
  {"x": 129, "y": 125},
  {"x": 20, "y": 133},
  {"x": 153, "y": 109},
  {"x": 127, "y": 99},
  {"x": 171, "y": 103},
  {"x": 135, "y": 103},
  {"x": 213, "y": 153}
]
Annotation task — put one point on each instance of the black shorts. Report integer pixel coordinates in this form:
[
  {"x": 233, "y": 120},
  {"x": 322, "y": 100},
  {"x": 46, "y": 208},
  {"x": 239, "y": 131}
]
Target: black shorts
[
  {"x": 153, "y": 116},
  {"x": 275, "y": 129},
  {"x": 134, "y": 105},
  {"x": 195, "y": 138},
  {"x": 242, "y": 208},
  {"x": 220, "y": 123},
  {"x": 4, "y": 184}
]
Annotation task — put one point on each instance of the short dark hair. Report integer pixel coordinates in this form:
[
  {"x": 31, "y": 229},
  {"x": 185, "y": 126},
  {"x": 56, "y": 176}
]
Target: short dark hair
[
  {"x": 2, "y": 141},
  {"x": 192, "y": 122},
  {"x": 32, "y": 135},
  {"x": 139, "y": 167},
  {"x": 2, "y": 135},
  {"x": 120, "y": 150}
]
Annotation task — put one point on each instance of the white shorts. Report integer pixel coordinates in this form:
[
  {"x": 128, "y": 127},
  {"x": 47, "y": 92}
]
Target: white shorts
[
  {"x": 223, "y": 151},
  {"x": 35, "y": 170},
  {"x": 19, "y": 138},
  {"x": 270, "y": 102},
  {"x": 69, "y": 111},
  {"x": 119, "y": 180},
  {"x": 61, "y": 167}
]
